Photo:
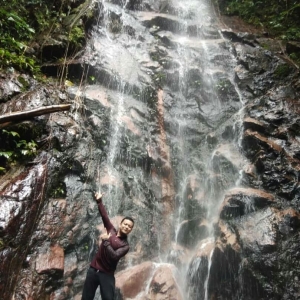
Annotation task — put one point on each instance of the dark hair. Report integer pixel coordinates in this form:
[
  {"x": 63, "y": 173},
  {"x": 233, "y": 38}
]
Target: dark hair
[{"x": 128, "y": 218}]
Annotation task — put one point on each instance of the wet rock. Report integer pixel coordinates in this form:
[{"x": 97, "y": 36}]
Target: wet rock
[
  {"x": 191, "y": 231},
  {"x": 241, "y": 201},
  {"x": 164, "y": 284},
  {"x": 289, "y": 221},
  {"x": 134, "y": 280},
  {"x": 70, "y": 267},
  {"x": 178, "y": 255},
  {"x": 160, "y": 106},
  {"x": 226, "y": 159},
  {"x": 198, "y": 269},
  {"x": 227, "y": 237},
  {"x": 246, "y": 38},
  {"x": 9, "y": 86},
  {"x": 162, "y": 21},
  {"x": 52, "y": 260},
  {"x": 257, "y": 231},
  {"x": 254, "y": 142},
  {"x": 254, "y": 125}
]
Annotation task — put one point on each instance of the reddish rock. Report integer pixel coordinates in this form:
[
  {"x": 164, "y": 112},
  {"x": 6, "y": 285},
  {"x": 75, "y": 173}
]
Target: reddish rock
[
  {"x": 227, "y": 237},
  {"x": 96, "y": 94},
  {"x": 250, "y": 123},
  {"x": 167, "y": 180},
  {"x": 205, "y": 248},
  {"x": 52, "y": 260},
  {"x": 250, "y": 170},
  {"x": 108, "y": 179},
  {"x": 255, "y": 138},
  {"x": 288, "y": 221},
  {"x": 164, "y": 284},
  {"x": 130, "y": 125},
  {"x": 250, "y": 192},
  {"x": 134, "y": 280},
  {"x": 54, "y": 220}
]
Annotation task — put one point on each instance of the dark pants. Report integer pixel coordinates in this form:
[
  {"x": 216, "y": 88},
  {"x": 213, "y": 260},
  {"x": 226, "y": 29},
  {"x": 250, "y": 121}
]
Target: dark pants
[{"x": 94, "y": 279}]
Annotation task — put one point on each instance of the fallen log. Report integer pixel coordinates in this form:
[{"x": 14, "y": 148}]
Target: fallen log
[{"x": 23, "y": 115}]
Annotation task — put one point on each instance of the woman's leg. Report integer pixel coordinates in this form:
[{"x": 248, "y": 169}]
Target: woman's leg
[
  {"x": 107, "y": 286},
  {"x": 90, "y": 285}
]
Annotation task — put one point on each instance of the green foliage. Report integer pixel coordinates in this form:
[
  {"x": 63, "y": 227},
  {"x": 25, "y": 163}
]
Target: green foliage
[
  {"x": 59, "y": 191},
  {"x": 85, "y": 247},
  {"x": 76, "y": 35},
  {"x": 14, "y": 33},
  {"x": 14, "y": 149},
  {"x": 295, "y": 57},
  {"x": 27, "y": 149},
  {"x": 92, "y": 79},
  {"x": 15, "y": 26},
  {"x": 25, "y": 84},
  {"x": 280, "y": 18},
  {"x": 160, "y": 78},
  {"x": 23, "y": 22},
  {"x": 282, "y": 71}
]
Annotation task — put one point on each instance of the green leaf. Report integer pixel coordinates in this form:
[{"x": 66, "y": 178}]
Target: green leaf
[
  {"x": 13, "y": 133},
  {"x": 25, "y": 152},
  {"x": 6, "y": 154}
]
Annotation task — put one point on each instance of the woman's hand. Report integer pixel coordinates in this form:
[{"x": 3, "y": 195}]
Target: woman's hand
[
  {"x": 105, "y": 236},
  {"x": 98, "y": 196}
]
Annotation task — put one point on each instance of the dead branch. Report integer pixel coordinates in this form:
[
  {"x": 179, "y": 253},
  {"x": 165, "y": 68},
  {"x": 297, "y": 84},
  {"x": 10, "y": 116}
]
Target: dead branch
[{"x": 23, "y": 115}]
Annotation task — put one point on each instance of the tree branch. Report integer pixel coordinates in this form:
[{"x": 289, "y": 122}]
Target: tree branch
[{"x": 23, "y": 115}]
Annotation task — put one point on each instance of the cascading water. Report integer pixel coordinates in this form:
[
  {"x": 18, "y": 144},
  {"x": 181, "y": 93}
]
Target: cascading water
[
  {"x": 201, "y": 177},
  {"x": 196, "y": 100},
  {"x": 119, "y": 88}
]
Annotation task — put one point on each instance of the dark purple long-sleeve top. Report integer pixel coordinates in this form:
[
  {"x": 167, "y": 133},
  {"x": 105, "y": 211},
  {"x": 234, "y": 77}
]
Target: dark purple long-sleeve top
[{"x": 111, "y": 250}]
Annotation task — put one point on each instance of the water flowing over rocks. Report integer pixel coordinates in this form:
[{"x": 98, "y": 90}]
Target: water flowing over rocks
[{"x": 190, "y": 128}]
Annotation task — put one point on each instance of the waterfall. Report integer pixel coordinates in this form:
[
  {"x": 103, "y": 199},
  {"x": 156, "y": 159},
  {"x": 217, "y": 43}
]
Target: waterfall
[{"x": 179, "y": 76}]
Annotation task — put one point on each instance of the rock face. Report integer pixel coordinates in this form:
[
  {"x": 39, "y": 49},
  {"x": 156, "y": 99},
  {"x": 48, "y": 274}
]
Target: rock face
[
  {"x": 190, "y": 128},
  {"x": 149, "y": 281},
  {"x": 259, "y": 223}
]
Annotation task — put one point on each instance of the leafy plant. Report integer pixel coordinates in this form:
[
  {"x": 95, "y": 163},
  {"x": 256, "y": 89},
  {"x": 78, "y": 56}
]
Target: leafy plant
[
  {"x": 76, "y": 36},
  {"x": 24, "y": 22},
  {"x": 14, "y": 32},
  {"x": 280, "y": 18},
  {"x": 59, "y": 190},
  {"x": 282, "y": 71},
  {"x": 14, "y": 149},
  {"x": 27, "y": 149}
]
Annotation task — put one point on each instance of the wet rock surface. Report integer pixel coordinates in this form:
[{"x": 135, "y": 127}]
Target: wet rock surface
[
  {"x": 271, "y": 112},
  {"x": 187, "y": 129}
]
